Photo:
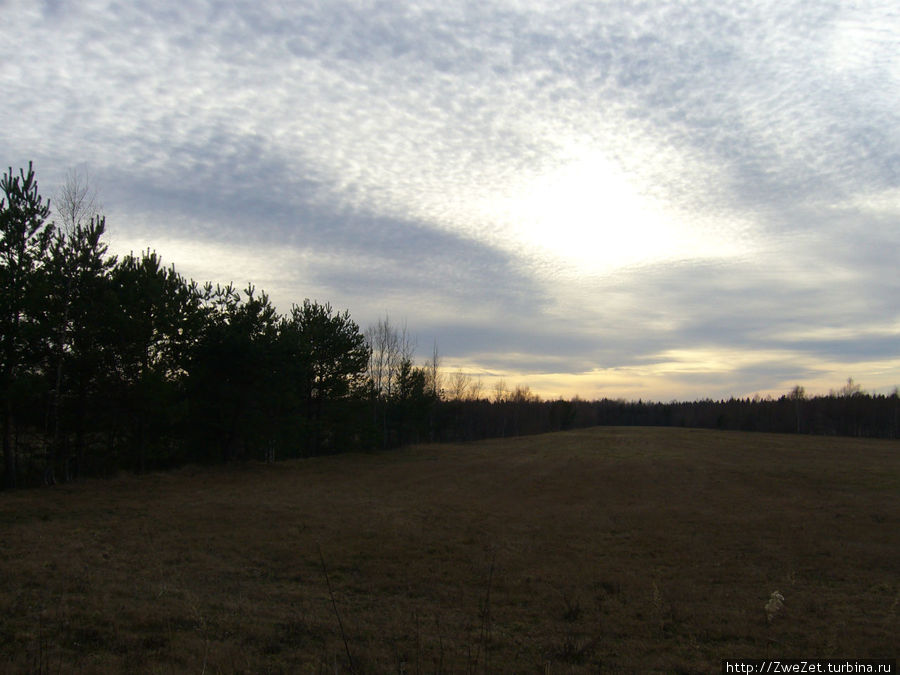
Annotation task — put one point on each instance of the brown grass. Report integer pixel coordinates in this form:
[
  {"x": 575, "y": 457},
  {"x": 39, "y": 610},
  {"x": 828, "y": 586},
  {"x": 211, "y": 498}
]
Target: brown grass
[{"x": 621, "y": 550}]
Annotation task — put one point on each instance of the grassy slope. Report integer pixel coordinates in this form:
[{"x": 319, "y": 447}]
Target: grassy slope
[{"x": 632, "y": 549}]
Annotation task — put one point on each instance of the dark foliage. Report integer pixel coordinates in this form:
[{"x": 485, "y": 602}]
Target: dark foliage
[
  {"x": 25, "y": 239},
  {"x": 861, "y": 415}
]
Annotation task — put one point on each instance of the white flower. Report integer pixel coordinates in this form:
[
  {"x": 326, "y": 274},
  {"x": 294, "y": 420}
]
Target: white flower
[{"x": 774, "y": 605}]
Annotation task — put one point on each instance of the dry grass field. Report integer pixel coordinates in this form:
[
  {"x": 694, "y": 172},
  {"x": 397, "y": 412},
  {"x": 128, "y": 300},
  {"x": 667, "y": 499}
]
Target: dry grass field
[{"x": 607, "y": 549}]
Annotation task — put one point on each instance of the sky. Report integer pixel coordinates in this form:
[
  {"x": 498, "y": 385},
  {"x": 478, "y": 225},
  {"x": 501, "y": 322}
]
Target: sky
[{"x": 654, "y": 200}]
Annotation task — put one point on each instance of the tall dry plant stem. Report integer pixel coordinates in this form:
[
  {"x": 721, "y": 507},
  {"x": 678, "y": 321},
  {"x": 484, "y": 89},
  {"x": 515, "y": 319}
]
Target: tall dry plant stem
[
  {"x": 337, "y": 614},
  {"x": 437, "y": 623},
  {"x": 485, "y": 622}
]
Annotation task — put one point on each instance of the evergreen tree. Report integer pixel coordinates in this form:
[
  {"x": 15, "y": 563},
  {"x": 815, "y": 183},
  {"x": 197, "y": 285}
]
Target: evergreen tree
[
  {"x": 157, "y": 318},
  {"x": 330, "y": 359},
  {"x": 232, "y": 376},
  {"x": 412, "y": 403},
  {"x": 77, "y": 313},
  {"x": 24, "y": 242}
]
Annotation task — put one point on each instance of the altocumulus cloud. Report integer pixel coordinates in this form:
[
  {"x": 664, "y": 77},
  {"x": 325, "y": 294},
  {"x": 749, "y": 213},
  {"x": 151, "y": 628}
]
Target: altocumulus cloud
[{"x": 658, "y": 199}]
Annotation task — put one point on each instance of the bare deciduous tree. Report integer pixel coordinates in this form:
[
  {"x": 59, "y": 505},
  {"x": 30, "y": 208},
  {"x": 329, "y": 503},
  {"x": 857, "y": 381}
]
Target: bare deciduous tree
[
  {"x": 797, "y": 395},
  {"x": 389, "y": 347},
  {"x": 459, "y": 385},
  {"x": 849, "y": 390},
  {"x": 523, "y": 394},
  {"x": 77, "y": 201},
  {"x": 435, "y": 380},
  {"x": 500, "y": 391},
  {"x": 476, "y": 389}
]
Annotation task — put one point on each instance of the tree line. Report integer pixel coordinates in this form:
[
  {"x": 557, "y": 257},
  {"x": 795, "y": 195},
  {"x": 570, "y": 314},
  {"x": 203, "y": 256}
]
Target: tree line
[
  {"x": 111, "y": 363},
  {"x": 842, "y": 412}
]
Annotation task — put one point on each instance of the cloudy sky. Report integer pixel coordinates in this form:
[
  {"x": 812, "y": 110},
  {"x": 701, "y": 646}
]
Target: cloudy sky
[{"x": 640, "y": 199}]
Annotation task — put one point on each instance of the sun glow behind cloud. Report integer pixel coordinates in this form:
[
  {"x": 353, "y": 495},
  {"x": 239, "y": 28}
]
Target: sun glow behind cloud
[{"x": 589, "y": 214}]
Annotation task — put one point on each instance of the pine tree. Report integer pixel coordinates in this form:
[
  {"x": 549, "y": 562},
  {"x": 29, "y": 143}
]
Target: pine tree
[{"x": 25, "y": 239}]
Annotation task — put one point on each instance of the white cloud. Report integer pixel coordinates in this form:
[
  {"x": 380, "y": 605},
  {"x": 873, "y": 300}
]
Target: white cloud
[{"x": 642, "y": 177}]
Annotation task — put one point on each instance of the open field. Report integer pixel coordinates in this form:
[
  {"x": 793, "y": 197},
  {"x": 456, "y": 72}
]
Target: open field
[{"x": 620, "y": 549}]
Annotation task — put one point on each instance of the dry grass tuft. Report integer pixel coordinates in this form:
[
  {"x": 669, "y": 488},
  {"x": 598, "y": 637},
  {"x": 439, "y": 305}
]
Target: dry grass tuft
[
  {"x": 774, "y": 605},
  {"x": 613, "y": 549}
]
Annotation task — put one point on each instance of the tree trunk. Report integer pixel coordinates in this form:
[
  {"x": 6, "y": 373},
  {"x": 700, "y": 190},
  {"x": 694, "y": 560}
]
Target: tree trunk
[{"x": 9, "y": 449}]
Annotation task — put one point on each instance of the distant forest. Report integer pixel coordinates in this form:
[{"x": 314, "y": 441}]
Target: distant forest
[{"x": 111, "y": 364}]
